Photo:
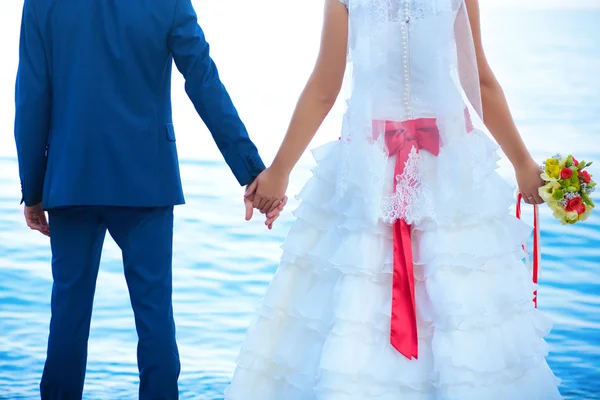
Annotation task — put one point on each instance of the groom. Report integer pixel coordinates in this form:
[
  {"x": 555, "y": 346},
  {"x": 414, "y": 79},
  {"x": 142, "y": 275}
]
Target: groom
[{"x": 96, "y": 149}]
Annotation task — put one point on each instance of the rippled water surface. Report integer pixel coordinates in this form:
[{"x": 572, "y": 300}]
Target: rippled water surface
[{"x": 547, "y": 61}]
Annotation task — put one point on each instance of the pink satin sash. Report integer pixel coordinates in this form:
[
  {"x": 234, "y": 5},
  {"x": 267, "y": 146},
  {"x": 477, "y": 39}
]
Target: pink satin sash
[{"x": 400, "y": 138}]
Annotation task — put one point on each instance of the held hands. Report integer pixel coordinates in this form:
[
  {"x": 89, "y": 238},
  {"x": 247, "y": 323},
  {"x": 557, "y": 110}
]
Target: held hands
[
  {"x": 529, "y": 181},
  {"x": 267, "y": 194}
]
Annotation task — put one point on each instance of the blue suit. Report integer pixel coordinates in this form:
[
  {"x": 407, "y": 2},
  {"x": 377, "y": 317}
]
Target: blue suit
[{"x": 96, "y": 145}]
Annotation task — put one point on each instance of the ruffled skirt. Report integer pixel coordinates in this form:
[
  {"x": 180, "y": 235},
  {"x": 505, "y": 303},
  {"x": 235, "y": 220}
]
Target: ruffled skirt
[{"x": 323, "y": 329}]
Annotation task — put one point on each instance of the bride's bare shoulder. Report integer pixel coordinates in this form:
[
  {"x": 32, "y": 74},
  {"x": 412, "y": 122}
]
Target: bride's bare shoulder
[
  {"x": 329, "y": 68},
  {"x": 335, "y": 24}
]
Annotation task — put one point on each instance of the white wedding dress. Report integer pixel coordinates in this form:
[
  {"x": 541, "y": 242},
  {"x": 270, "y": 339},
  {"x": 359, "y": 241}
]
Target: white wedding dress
[{"x": 323, "y": 329}]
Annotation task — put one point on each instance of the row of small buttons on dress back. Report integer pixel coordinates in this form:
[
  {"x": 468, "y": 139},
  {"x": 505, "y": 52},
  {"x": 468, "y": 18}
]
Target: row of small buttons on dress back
[{"x": 405, "y": 58}]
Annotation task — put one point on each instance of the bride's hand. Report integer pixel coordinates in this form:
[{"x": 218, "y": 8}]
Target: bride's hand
[
  {"x": 272, "y": 216},
  {"x": 268, "y": 190},
  {"x": 529, "y": 181}
]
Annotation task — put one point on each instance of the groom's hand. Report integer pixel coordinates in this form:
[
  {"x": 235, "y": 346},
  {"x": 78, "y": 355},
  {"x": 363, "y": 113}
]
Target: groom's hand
[
  {"x": 268, "y": 189},
  {"x": 266, "y": 193},
  {"x": 36, "y": 219}
]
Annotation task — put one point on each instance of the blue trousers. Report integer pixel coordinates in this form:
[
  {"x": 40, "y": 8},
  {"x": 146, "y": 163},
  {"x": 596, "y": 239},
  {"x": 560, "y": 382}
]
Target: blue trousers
[{"x": 145, "y": 236}]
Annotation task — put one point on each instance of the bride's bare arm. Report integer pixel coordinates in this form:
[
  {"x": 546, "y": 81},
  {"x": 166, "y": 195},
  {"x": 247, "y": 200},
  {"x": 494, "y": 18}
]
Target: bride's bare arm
[
  {"x": 498, "y": 119},
  {"x": 321, "y": 90},
  {"x": 315, "y": 102}
]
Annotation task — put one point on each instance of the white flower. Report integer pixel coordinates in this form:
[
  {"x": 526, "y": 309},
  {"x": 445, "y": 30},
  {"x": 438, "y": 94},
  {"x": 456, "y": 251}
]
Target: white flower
[{"x": 571, "y": 195}]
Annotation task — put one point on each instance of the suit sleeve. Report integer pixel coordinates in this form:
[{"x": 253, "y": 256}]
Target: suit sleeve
[
  {"x": 210, "y": 98},
  {"x": 32, "y": 107}
]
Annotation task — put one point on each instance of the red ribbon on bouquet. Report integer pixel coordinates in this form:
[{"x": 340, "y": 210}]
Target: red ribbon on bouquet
[
  {"x": 400, "y": 138},
  {"x": 536, "y": 242}
]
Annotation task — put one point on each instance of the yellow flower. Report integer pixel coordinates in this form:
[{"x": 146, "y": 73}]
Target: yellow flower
[
  {"x": 548, "y": 190},
  {"x": 586, "y": 214},
  {"x": 551, "y": 161},
  {"x": 553, "y": 171},
  {"x": 559, "y": 213},
  {"x": 547, "y": 177},
  {"x": 562, "y": 163},
  {"x": 572, "y": 216}
]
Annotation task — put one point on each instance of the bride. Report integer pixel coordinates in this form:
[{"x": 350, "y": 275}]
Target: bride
[{"x": 402, "y": 277}]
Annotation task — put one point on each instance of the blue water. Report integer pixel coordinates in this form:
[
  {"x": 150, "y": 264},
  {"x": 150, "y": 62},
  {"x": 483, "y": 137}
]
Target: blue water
[{"x": 547, "y": 61}]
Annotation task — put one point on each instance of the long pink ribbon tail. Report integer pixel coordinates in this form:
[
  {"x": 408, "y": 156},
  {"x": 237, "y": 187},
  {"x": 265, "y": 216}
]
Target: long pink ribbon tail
[{"x": 400, "y": 138}]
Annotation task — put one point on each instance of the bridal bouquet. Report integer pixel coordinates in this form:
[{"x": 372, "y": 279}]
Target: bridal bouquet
[{"x": 568, "y": 188}]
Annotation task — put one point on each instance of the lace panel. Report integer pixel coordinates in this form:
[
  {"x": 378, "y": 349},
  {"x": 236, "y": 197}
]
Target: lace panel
[{"x": 412, "y": 200}]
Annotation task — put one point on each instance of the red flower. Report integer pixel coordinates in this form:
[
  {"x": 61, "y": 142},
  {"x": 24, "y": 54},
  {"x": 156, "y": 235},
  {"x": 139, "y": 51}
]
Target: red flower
[
  {"x": 581, "y": 209},
  {"x": 566, "y": 173},
  {"x": 574, "y": 204},
  {"x": 575, "y": 162},
  {"x": 585, "y": 176}
]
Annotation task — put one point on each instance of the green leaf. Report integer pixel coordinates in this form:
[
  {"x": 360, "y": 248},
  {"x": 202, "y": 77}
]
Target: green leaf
[{"x": 558, "y": 194}]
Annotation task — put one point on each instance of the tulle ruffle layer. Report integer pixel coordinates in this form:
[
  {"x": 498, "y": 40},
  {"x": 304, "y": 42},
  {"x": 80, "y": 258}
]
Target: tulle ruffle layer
[{"x": 322, "y": 331}]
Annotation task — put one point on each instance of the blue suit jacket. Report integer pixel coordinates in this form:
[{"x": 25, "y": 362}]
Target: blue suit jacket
[{"x": 93, "y": 119}]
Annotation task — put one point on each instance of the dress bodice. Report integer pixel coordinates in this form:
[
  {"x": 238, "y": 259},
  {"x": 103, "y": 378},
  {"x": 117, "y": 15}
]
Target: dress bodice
[{"x": 412, "y": 51}]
